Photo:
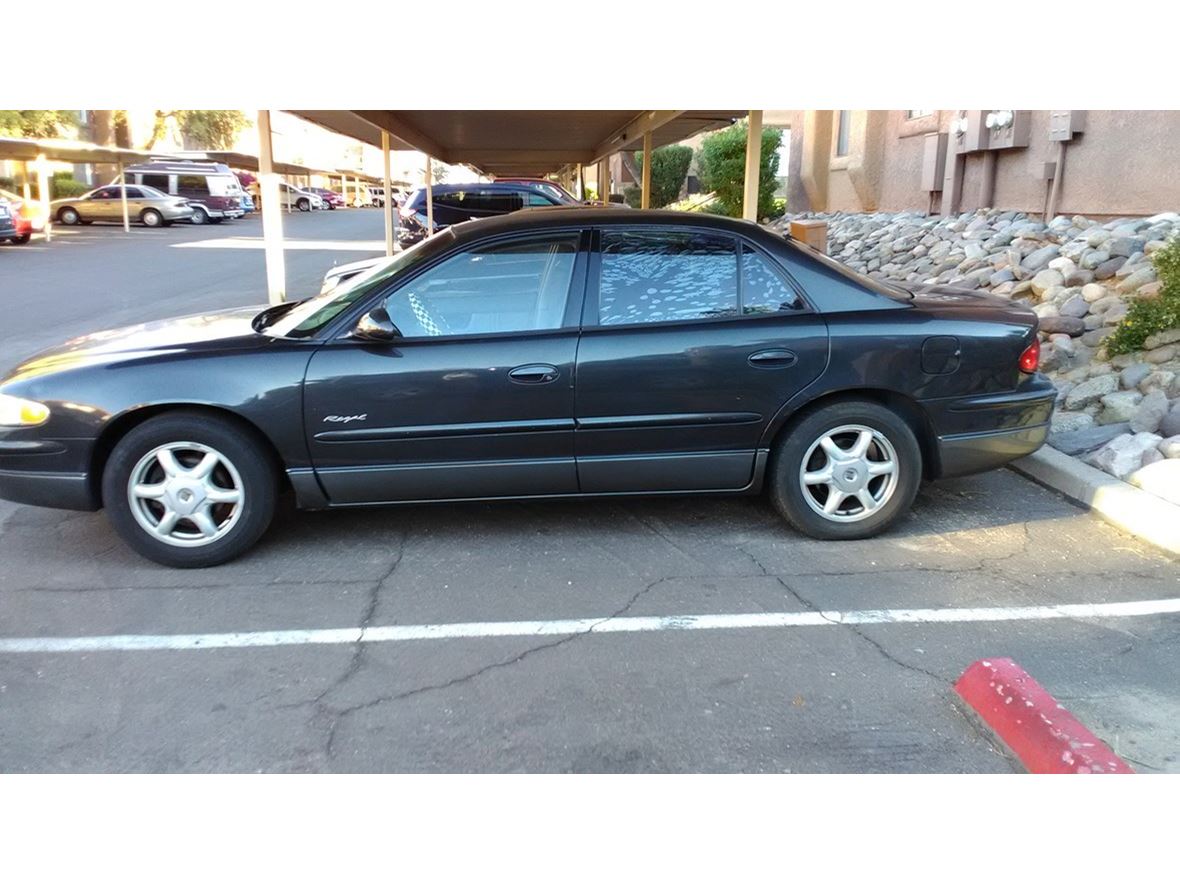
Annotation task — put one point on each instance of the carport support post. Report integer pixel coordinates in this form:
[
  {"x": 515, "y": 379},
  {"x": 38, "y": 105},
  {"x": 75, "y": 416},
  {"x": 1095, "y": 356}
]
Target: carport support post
[
  {"x": 429, "y": 198},
  {"x": 272, "y": 219},
  {"x": 646, "y": 201},
  {"x": 123, "y": 192},
  {"x": 753, "y": 167},
  {"x": 43, "y": 191},
  {"x": 604, "y": 180},
  {"x": 581, "y": 181},
  {"x": 26, "y": 187},
  {"x": 388, "y": 205}
]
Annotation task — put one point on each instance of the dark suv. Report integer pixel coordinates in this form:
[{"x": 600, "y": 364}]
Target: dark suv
[{"x": 455, "y": 203}]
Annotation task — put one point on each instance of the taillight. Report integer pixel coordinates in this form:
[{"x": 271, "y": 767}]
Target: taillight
[{"x": 1031, "y": 358}]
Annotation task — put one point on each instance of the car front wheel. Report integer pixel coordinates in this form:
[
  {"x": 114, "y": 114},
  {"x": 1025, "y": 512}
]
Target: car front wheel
[
  {"x": 189, "y": 490},
  {"x": 847, "y": 470},
  {"x": 69, "y": 215},
  {"x": 152, "y": 218}
]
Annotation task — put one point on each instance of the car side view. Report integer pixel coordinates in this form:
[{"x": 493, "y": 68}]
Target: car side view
[{"x": 548, "y": 353}]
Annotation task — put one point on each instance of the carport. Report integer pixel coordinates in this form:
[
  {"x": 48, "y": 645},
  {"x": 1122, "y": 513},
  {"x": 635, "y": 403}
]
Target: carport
[
  {"x": 41, "y": 151},
  {"x": 503, "y": 144}
]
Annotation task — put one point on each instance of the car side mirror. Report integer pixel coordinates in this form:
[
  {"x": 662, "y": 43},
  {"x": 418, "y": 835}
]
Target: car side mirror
[{"x": 376, "y": 326}]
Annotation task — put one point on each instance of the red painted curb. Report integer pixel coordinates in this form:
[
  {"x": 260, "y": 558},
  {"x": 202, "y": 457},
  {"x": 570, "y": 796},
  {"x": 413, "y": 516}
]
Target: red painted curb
[{"x": 1042, "y": 733}]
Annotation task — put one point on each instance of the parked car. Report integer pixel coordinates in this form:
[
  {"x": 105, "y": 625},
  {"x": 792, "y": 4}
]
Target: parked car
[
  {"x": 330, "y": 198},
  {"x": 544, "y": 184},
  {"x": 212, "y": 189},
  {"x": 145, "y": 205},
  {"x": 454, "y": 203},
  {"x": 247, "y": 201},
  {"x": 549, "y": 353},
  {"x": 8, "y": 229},
  {"x": 297, "y": 198},
  {"x": 30, "y": 216}
]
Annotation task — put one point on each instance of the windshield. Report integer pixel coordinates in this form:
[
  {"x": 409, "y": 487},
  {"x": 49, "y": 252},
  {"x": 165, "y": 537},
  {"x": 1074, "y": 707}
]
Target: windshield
[
  {"x": 310, "y": 316},
  {"x": 152, "y": 194}
]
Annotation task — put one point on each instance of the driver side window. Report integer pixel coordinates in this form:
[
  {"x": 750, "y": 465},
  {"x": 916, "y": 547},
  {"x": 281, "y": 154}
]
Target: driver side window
[{"x": 518, "y": 286}]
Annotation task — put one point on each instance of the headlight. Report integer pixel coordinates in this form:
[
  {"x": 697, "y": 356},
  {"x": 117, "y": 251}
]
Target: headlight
[{"x": 17, "y": 412}]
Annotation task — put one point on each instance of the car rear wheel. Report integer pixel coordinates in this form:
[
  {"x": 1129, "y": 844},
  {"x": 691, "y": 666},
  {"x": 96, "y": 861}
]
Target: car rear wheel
[
  {"x": 68, "y": 215},
  {"x": 151, "y": 218},
  {"x": 200, "y": 216},
  {"x": 847, "y": 470},
  {"x": 303, "y": 205},
  {"x": 22, "y": 239},
  {"x": 188, "y": 490}
]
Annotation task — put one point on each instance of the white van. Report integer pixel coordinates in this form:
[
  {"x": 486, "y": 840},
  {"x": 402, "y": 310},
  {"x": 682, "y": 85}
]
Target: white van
[{"x": 212, "y": 189}]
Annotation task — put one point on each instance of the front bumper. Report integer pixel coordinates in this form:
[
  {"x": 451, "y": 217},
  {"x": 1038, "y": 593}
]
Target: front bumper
[{"x": 978, "y": 433}]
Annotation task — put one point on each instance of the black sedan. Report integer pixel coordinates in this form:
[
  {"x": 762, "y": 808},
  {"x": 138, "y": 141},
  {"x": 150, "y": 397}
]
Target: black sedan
[{"x": 545, "y": 354}]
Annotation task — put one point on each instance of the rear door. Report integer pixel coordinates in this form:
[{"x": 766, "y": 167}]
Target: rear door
[
  {"x": 475, "y": 399},
  {"x": 692, "y": 341}
]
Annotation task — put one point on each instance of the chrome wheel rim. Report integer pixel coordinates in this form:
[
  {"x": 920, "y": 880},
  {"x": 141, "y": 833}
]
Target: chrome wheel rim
[
  {"x": 151, "y": 219},
  {"x": 186, "y": 494},
  {"x": 849, "y": 473}
]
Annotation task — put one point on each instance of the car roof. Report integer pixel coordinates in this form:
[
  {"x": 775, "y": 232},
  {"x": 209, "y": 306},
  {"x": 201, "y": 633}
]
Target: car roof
[{"x": 545, "y": 217}]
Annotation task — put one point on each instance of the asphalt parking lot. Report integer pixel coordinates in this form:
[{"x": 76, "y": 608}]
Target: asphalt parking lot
[{"x": 517, "y": 689}]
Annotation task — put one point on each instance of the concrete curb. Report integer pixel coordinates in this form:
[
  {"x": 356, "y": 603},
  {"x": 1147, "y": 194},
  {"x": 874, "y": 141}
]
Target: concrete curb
[
  {"x": 1041, "y": 733},
  {"x": 1141, "y": 513}
]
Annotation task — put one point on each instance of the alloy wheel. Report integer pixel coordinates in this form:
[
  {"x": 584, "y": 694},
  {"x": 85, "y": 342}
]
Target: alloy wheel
[
  {"x": 849, "y": 473},
  {"x": 186, "y": 494}
]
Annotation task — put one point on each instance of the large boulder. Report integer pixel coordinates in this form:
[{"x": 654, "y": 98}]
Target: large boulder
[
  {"x": 1149, "y": 414},
  {"x": 1170, "y": 425},
  {"x": 1124, "y": 454},
  {"x": 1091, "y": 391},
  {"x": 1120, "y": 406},
  {"x": 1087, "y": 439},
  {"x": 1160, "y": 477}
]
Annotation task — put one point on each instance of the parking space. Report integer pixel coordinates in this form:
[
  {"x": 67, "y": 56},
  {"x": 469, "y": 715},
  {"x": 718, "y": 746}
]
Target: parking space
[{"x": 518, "y": 688}]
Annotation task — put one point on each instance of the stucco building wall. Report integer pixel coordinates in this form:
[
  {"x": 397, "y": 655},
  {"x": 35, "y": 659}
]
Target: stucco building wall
[{"x": 1122, "y": 164}]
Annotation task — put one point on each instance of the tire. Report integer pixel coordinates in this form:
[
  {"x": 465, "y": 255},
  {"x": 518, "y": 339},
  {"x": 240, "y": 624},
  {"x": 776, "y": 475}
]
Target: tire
[
  {"x": 801, "y": 455},
  {"x": 157, "y": 525},
  {"x": 151, "y": 218},
  {"x": 21, "y": 240},
  {"x": 303, "y": 205},
  {"x": 200, "y": 216},
  {"x": 68, "y": 215}
]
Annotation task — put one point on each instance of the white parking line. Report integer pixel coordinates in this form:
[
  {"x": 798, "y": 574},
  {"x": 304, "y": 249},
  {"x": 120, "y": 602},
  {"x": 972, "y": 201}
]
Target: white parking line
[
  {"x": 485, "y": 630},
  {"x": 302, "y": 245}
]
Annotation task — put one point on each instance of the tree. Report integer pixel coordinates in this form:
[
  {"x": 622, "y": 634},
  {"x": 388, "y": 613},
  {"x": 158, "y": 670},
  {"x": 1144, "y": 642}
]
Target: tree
[
  {"x": 722, "y": 165},
  {"x": 38, "y": 124},
  {"x": 669, "y": 169},
  {"x": 212, "y": 130}
]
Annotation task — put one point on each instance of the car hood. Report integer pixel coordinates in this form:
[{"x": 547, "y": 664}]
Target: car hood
[{"x": 230, "y": 329}]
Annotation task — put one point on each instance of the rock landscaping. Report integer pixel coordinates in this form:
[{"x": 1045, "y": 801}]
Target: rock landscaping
[{"x": 1120, "y": 414}]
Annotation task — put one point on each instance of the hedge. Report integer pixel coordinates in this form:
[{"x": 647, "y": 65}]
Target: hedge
[{"x": 721, "y": 162}]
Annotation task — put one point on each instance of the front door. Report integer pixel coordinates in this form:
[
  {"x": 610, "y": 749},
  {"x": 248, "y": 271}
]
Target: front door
[
  {"x": 475, "y": 399},
  {"x": 694, "y": 342}
]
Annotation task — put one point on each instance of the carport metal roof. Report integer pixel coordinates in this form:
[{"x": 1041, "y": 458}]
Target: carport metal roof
[
  {"x": 29, "y": 149},
  {"x": 519, "y": 142}
]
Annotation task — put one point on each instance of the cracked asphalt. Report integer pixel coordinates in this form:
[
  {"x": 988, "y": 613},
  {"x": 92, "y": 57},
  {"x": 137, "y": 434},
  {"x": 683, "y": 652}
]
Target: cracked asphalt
[{"x": 807, "y": 699}]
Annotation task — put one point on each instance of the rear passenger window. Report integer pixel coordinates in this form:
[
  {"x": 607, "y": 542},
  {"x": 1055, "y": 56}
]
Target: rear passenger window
[
  {"x": 763, "y": 288},
  {"x": 657, "y": 277},
  {"x": 159, "y": 182},
  {"x": 192, "y": 184}
]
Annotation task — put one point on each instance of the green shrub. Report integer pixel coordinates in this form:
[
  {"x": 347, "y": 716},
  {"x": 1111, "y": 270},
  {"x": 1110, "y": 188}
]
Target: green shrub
[
  {"x": 669, "y": 169},
  {"x": 1148, "y": 316},
  {"x": 8, "y": 184},
  {"x": 722, "y": 165},
  {"x": 633, "y": 196},
  {"x": 63, "y": 185}
]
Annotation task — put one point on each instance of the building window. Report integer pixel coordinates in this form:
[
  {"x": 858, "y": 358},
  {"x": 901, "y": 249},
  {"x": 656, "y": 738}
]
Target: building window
[
  {"x": 914, "y": 115},
  {"x": 843, "y": 122}
]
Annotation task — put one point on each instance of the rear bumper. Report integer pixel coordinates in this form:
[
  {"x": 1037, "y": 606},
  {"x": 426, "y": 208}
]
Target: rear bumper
[
  {"x": 68, "y": 491},
  {"x": 979, "y": 433}
]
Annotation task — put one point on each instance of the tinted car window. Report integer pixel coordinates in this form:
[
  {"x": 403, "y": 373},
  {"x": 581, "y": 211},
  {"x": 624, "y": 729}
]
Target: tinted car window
[
  {"x": 500, "y": 201},
  {"x": 105, "y": 193},
  {"x": 192, "y": 183},
  {"x": 763, "y": 288},
  {"x": 510, "y": 287},
  {"x": 157, "y": 181},
  {"x": 536, "y": 199},
  {"x": 655, "y": 277}
]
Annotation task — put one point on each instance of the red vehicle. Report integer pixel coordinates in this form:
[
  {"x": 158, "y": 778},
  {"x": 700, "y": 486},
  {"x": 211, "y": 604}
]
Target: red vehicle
[
  {"x": 331, "y": 198},
  {"x": 28, "y": 216}
]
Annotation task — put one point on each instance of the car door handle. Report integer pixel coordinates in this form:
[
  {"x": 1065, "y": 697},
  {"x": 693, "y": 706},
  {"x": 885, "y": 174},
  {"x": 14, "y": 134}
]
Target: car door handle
[
  {"x": 534, "y": 373},
  {"x": 772, "y": 359}
]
